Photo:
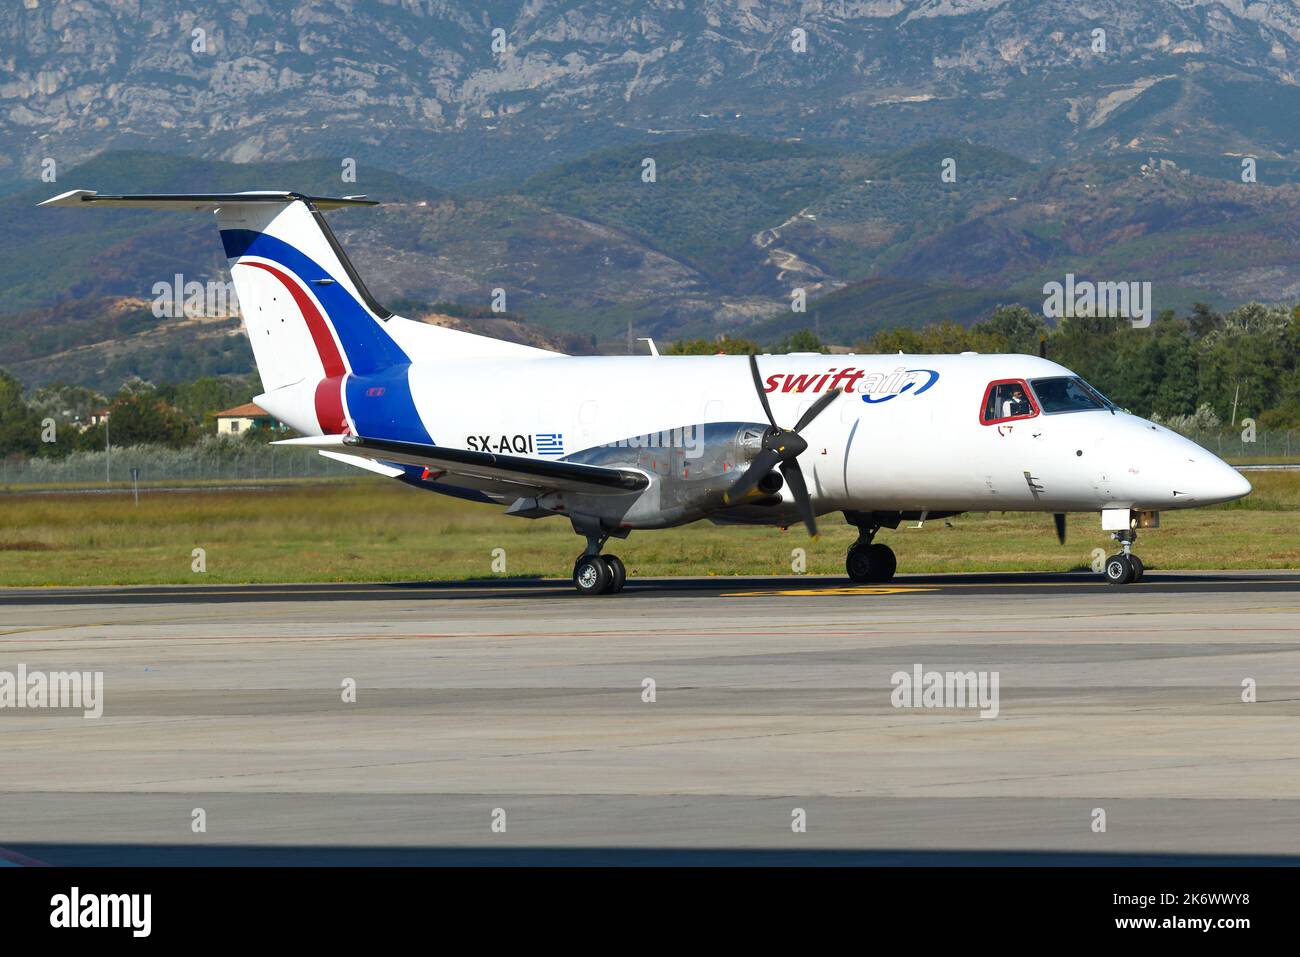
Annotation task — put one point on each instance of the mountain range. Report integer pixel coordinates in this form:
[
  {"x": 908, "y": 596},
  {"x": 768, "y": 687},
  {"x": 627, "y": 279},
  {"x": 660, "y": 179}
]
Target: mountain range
[
  {"x": 913, "y": 161},
  {"x": 427, "y": 88}
]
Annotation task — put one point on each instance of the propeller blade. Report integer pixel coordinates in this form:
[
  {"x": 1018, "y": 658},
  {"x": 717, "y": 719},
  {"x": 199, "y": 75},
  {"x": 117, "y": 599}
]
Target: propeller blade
[
  {"x": 758, "y": 387},
  {"x": 816, "y": 409},
  {"x": 761, "y": 464},
  {"x": 781, "y": 447},
  {"x": 799, "y": 490},
  {"x": 1059, "y": 519}
]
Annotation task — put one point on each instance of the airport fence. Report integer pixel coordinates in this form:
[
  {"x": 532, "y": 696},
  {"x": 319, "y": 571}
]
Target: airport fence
[
  {"x": 1278, "y": 444},
  {"x": 212, "y": 459}
]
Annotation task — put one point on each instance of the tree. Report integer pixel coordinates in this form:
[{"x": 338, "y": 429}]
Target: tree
[
  {"x": 67, "y": 403},
  {"x": 805, "y": 340},
  {"x": 909, "y": 341},
  {"x": 20, "y": 425},
  {"x": 204, "y": 396},
  {"x": 709, "y": 347},
  {"x": 142, "y": 418},
  {"x": 1243, "y": 360},
  {"x": 938, "y": 338},
  {"x": 1015, "y": 328},
  {"x": 1203, "y": 320},
  {"x": 1174, "y": 389}
]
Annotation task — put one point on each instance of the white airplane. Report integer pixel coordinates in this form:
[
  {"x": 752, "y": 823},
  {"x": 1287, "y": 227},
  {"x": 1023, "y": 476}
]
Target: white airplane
[{"x": 616, "y": 443}]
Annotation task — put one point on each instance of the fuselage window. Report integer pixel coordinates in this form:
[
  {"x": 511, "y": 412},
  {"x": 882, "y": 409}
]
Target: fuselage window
[
  {"x": 1066, "y": 394},
  {"x": 1007, "y": 399}
]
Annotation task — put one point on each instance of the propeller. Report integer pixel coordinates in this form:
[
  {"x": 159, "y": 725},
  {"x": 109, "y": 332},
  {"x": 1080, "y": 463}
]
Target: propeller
[
  {"x": 1059, "y": 519},
  {"x": 781, "y": 449}
]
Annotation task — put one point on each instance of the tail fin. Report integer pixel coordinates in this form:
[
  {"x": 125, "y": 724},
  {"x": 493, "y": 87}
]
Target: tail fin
[
  {"x": 305, "y": 307},
  {"x": 317, "y": 333},
  {"x": 307, "y": 313}
]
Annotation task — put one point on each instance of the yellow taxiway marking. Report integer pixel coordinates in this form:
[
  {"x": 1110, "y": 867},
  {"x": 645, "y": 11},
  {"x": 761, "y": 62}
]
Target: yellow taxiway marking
[
  {"x": 842, "y": 590},
  {"x": 1100, "y": 581}
]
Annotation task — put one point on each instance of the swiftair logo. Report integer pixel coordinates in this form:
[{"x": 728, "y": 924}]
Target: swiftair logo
[
  {"x": 53, "y": 690},
  {"x": 1084, "y": 298},
  {"x": 946, "y": 689},
  {"x": 75, "y": 909}
]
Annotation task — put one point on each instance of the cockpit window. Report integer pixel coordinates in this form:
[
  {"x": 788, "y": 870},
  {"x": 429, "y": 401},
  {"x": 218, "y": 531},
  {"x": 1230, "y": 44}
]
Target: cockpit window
[
  {"x": 1007, "y": 399},
  {"x": 1067, "y": 394}
]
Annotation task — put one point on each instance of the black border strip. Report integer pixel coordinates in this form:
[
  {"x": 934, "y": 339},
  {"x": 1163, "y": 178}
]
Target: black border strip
[{"x": 371, "y": 302}]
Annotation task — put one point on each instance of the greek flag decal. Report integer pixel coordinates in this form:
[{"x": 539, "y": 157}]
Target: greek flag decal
[{"x": 550, "y": 443}]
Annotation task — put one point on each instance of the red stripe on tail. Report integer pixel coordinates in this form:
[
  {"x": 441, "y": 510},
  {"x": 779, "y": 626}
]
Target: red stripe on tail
[
  {"x": 320, "y": 331},
  {"x": 329, "y": 406},
  {"x": 329, "y": 391}
]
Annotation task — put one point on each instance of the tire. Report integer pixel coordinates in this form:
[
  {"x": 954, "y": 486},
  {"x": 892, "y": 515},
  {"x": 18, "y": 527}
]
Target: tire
[
  {"x": 1119, "y": 570},
  {"x": 1138, "y": 568},
  {"x": 885, "y": 561},
  {"x": 858, "y": 564},
  {"x": 591, "y": 576},
  {"x": 871, "y": 563},
  {"x": 618, "y": 573}
]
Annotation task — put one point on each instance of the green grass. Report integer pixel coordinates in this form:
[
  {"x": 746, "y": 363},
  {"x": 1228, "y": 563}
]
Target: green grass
[
  {"x": 375, "y": 531},
  {"x": 187, "y": 483}
]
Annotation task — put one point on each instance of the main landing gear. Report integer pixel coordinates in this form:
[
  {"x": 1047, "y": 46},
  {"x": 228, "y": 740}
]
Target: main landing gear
[
  {"x": 868, "y": 561},
  {"x": 594, "y": 573},
  {"x": 1124, "y": 567},
  {"x": 599, "y": 574}
]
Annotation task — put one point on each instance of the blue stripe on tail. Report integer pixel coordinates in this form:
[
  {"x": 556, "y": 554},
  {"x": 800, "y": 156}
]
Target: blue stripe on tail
[
  {"x": 382, "y": 407},
  {"x": 368, "y": 347},
  {"x": 379, "y": 396}
]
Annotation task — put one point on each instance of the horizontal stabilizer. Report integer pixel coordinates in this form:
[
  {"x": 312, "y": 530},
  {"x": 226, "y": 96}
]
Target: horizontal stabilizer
[
  {"x": 199, "y": 202},
  {"x": 361, "y": 462},
  {"x": 538, "y": 474}
]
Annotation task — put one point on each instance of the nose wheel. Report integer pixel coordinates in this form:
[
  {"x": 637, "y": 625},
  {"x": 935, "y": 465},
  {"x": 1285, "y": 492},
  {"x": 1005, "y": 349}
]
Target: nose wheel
[{"x": 1124, "y": 568}]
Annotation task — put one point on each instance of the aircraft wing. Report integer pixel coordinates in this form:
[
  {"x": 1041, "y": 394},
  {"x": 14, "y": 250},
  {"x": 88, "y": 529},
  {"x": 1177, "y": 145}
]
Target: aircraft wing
[{"x": 539, "y": 475}]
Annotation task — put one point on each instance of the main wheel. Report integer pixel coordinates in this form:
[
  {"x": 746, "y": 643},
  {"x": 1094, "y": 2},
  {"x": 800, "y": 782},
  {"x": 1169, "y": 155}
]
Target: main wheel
[
  {"x": 871, "y": 563},
  {"x": 1138, "y": 568},
  {"x": 591, "y": 576},
  {"x": 1119, "y": 570},
  {"x": 617, "y": 571},
  {"x": 885, "y": 561}
]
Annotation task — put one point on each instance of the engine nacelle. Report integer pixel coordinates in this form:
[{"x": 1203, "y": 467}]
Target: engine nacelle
[{"x": 690, "y": 469}]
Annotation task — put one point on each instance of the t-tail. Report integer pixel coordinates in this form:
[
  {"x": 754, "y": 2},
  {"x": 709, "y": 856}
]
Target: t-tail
[{"x": 332, "y": 360}]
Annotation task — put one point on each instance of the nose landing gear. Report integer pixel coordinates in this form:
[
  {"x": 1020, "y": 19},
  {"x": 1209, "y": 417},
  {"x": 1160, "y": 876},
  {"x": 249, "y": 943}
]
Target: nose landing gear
[{"x": 1124, "y": 567}]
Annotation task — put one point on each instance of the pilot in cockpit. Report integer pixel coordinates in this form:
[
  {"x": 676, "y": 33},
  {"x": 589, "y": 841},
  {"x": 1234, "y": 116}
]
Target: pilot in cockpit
[{"x": 1016, "y": 405}]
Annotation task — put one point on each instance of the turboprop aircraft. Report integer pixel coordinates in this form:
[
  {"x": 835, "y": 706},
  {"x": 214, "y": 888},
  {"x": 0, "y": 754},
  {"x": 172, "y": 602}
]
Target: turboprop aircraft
[{"x": 617, "y": 443}]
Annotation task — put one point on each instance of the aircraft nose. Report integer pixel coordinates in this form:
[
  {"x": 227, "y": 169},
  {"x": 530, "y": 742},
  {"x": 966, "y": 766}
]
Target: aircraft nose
[
  {"x": 1194, "y": 475},
  {"x": 1226, "y": 484},
  {"x": 1212, "y": 480}
]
